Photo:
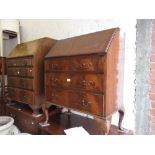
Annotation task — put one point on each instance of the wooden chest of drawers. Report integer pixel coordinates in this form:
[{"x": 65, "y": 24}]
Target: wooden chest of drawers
[
  {"x": 81, "y": 73},
  {"x": 25, "y": 70}
]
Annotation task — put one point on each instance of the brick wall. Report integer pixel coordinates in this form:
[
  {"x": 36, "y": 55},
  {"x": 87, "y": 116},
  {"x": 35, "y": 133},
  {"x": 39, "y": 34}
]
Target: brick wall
[
  {"x": 143, "y": 73},
  {"x": 152, "y": 82},
  {"x": 145, "y": 77}
]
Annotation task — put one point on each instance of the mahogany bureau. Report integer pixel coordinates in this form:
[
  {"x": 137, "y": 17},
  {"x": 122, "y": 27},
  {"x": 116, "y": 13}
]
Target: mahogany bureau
[
  {"x": 25, "y": 70},
  {"x": 81, "y": 73}
]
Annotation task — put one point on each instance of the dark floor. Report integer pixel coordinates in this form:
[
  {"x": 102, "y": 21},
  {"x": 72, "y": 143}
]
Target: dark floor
[{"x": 63, "y": 121}]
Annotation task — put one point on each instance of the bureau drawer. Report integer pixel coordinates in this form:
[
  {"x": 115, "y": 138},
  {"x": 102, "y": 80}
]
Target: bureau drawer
[
  {"x": 73, "y": 80},
  {"x": 27, "y": 72},
  {"x": 21, "y": 95},
  {"x": 56, "y": 96},
  {"x": 86, "y": 102},
  {"x": 19, "y": 62},
  {"x": 89, "y": 63},
  {"x": 20, "y": 83}
]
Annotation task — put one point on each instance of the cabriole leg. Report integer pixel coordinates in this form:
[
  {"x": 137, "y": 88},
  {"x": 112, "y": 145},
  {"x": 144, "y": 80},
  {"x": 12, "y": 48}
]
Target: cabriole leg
[{"x": 104, "y": 124}]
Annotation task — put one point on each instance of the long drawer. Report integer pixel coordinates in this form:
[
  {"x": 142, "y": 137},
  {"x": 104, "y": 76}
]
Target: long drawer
[
  {"x": 19, "y": 62},
  {"x": 18, "y": 82},
  {"x": 86, "y": 102},
  {"x": 89, "y": 63},
  {"x": 73, "y": 80},
  {"x": 21, "y": 72},
  {"x": 20, "y": 95}
]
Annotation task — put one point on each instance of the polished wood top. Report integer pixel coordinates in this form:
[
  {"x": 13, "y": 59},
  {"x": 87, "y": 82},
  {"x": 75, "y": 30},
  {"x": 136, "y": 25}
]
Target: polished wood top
[
  {"x": 32, "y": 47},
  {"x": 97, "y": 42}
]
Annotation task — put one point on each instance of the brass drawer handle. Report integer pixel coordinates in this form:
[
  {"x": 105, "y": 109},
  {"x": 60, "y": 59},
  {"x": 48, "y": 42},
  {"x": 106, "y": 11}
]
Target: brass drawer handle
[
  {"x": 53, "y": 66},
  {"x": 88, "y": 83},
  {"x": 86, "y": 103},
  {"x": 54, "y": 80},
  {"x": 85, "y": 66},
  {"x": 54, "y": 96}
]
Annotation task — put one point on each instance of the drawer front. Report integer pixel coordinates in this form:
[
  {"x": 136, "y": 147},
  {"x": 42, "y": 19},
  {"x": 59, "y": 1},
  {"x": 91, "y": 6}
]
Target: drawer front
[
  {"x": 90, "y": 103},
  {"x": 80, "y": 81},
  {"x": 21, "y": 95},
  {"x": 56, "y": 96},
  {"x": 78, "y": 63},
  {"x": 24, "y": 72},
  {"x": 56, "y": 64},
  {"x": 20, "y": 83},
  {"x": 19, "y": 62}
]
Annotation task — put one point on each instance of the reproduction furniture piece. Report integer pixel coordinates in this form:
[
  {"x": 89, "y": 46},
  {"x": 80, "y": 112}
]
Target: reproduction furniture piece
[
  {"x": 24, "y": 120},
  {"x": 25, "y": 70},
  {"x": 81, "y": 73}
]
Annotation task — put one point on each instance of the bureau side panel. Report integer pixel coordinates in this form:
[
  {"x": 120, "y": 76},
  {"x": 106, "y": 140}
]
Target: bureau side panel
[
  {"x": 39, "y": 73},
  {"x": 111, "y": 74}
]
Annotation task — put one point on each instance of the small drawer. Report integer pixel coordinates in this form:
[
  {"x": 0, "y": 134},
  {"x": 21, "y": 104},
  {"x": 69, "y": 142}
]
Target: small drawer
[
  {"x": 20, "y": 83},
  {"x": 20, "y": 95},
  {"x": 19, "y": 62},
  {"x": 21, "y": 72}
]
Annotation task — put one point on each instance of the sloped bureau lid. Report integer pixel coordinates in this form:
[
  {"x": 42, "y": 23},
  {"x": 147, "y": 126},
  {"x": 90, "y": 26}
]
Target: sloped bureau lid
[
  {"x": 32, "y": 47},
  {"x": 97, "y": 42}
]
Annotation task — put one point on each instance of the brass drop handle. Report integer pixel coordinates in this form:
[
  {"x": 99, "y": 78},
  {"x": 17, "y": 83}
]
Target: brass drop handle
[
  {"x": 88, "y": 83},
  {"x": 24, "y": 96},
  {"x": 85, "y": 66},
  {"x": 54, "y": 79},
  {"x": 54, "y": 66},
  {"x": 85, "y": 102},
  {"x": 54, "y": 96}
]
